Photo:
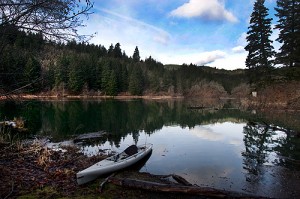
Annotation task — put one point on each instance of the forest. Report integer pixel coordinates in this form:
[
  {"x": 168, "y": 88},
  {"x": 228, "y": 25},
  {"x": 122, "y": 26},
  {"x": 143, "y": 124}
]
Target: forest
[
  {"x": 32, "y": 65},
  {"x": 44, "y": 59}
]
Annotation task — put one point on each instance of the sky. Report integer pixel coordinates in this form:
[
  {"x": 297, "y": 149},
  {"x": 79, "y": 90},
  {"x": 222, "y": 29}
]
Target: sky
[{"x": 202, "y": 32}]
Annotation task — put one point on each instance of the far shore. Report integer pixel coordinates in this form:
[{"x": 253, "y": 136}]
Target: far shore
[
  {"x": 121, "y": 97},
  {"x": 254, "y": 103}
]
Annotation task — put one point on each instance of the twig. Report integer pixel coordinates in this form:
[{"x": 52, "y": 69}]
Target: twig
[
  {"x": 104, "y": 182},
  {"x": 12, "y": 190}
]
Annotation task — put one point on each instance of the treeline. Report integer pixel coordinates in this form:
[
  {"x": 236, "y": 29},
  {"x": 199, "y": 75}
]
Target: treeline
[{"x": 29, "y": 64}]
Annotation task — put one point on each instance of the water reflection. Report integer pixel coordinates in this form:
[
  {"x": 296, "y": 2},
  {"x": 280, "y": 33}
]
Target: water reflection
[
  {"x": 216, "y": 147},
  {"x": 266, "y": 148},
  {"x": 61, "y": 119},
  {"x": 267, "y": 145},
  {"x": 258, "y": 141}
]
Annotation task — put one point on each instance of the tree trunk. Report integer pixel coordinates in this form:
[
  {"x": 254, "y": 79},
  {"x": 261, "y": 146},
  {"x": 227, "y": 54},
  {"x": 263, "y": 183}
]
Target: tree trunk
[{"x": 172, "y": 188}]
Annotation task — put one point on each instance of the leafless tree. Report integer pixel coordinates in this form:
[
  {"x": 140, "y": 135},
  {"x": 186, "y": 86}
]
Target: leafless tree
[{"x": 54, "y": 19}]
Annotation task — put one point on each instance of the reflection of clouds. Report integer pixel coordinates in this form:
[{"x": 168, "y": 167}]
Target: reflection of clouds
[
  {"x": 227, "y": 132},
  {"x": 235, "y": 141},
  {"x": 226, "y": 173},
  {"x": 160, "y": 149},
  {"x": 213, "y": 176},
  {"x": 206, "y": 133}
]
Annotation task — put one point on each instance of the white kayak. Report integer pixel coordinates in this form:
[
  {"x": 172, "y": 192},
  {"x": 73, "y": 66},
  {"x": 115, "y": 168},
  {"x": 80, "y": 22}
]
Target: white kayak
[{"x": 128, "y": 157}]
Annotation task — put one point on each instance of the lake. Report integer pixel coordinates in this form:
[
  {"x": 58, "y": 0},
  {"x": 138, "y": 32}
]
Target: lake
[{"x": 220, "y": 146}]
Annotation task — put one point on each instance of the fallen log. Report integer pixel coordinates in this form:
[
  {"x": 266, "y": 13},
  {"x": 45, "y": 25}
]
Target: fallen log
[
  {"x": 171, "y": 188},
  {"x": 177, "y": 178}
]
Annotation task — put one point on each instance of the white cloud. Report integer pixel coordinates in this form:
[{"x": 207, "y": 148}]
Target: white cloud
[
  {"x": 209, "y": 57},
  {"x": 212, "y": 10},
  {"x": 242, "y": 41},
  {"x": 151, "y": 40},
  {"x": 238, "y": 49},
  {"x": 201, "y": 58},
  {"x": 218, "y": 58},
  {"x": 231, "y": 61},
  {"x": 157, "y": 34},
  {"x": 112, "y": 28}
]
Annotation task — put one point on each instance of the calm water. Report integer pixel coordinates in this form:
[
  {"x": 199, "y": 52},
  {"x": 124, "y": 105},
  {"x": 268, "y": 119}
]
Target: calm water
[{"x": 223, "y": 148}]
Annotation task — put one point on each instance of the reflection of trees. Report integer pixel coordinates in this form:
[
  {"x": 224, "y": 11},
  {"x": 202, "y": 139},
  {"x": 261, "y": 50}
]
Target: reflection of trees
[
  {"x": 61, "y": 119},
  {"x": 119, "y": 118},
  {"x": 268, "y": 144},
  {"x": 257, "y": 139},
  {"x": 29, "y": 111},
  {"x": 289, "y": 150}
]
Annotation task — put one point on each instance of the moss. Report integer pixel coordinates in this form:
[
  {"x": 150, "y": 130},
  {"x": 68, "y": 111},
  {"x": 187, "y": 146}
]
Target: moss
[{"x": 46, "y": 192}]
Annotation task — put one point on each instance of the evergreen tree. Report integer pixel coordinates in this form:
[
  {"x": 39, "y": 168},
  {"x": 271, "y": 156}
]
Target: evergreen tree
[
  {"x": 136, "y": 81},
  {"x": 259, "y": 47},
  {"x": 48, "y": 76},
  {"x": 75, "y": 81},
  {"x": 124, "y": 79},
  {"x": 288, "y": 12},
  {"x": 111, "y": 51},
  {"x": 98, "y": 74},
  {"x": 136, "y": 55},
  {"x": 32, "y": 73},
  {"x": 12, "y": 65},
  {"x": 112, "y": 89},
  {"x": 61, "y": 71},
  {"x": 117, "y": 52},
  {"x": 124, "y": 56},
  {"x": 105, "y": 76}
]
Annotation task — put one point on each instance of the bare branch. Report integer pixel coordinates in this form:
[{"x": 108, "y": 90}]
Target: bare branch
[{"x": 55, "y": 19}]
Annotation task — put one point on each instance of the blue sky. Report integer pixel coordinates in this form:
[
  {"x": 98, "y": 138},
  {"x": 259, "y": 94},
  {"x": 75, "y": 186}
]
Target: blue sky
[{"x": 202, "y": 32}]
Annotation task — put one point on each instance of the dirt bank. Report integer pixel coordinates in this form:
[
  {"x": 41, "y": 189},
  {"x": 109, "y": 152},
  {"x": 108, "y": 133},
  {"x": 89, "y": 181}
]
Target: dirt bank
[
  {"x": 281, "y": 95},
  {"x": 285, "y": 95}
]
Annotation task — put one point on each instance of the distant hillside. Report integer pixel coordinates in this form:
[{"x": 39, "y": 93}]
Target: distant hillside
[
  {"x": 30, "y": 65},
  {"x": 172, "y": 66}
]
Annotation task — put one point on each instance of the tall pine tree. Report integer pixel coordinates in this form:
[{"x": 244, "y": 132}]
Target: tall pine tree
[
  {"x": 260, "y": 49},
  {"x": 32, "y": 73},
  {"x": 135, "y": 85},
  {"x": 136, "y": 55},
  {"x": 288, "y": 13},
  {"x": 117, "y": 52}
]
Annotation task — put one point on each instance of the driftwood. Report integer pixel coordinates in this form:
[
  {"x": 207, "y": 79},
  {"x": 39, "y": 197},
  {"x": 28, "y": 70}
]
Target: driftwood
[
  {"x": 90, "y": 136},
  {"x": 172, "y": 188}
]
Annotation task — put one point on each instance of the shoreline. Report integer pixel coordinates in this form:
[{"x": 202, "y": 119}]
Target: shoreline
[
  {"x": 246, "y": 103},
  {"x": 121, "y": 97}
]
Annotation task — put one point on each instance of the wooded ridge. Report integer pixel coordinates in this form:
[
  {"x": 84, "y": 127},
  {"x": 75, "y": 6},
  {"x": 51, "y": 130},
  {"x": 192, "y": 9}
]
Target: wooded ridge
[{"x": 30, "y": 65}]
